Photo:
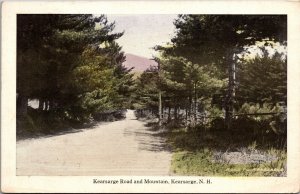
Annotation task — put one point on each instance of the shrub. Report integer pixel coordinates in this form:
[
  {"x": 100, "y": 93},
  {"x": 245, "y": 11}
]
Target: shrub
[
  {"x": 244, "y": 123},
  {"x": 217, "y": 124}
]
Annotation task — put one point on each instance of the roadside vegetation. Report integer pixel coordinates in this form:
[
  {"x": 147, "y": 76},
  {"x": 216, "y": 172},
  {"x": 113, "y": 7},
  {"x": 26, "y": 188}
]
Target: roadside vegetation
[
  {"x": 72, "y": 66},
  {"x": 219, "y": 153},
  {"x": 219, "y": 89},
  {"x": 222, "y": 102}
]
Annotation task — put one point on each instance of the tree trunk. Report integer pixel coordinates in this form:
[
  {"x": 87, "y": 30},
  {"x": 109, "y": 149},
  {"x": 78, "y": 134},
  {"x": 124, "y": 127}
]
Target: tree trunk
[
  {"x": 41, "y": 104},
  {"x": 186, "y": 113},
  {"x": 195, "y": 103},
  {"x": 190, "y": 107},
  {"x": 51, "y": 105},
  {"x": 229, "y": 101},
  {"x": 47, "y": 105},
  {"x": 22, "y": 103},
  {"x": 189, "y": 110},
  {"x": 169, "y": 114},
  {"x": 159, "y": 108}
]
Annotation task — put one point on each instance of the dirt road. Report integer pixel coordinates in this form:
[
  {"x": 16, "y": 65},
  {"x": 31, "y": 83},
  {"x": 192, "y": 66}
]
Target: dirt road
[{"x": 123, "y": 147}]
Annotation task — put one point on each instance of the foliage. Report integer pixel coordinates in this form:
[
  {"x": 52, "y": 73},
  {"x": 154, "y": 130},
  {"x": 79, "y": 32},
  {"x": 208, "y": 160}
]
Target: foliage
[
  {"x": 257, "y": 108},
  {"x": 194, "y": 150},
  {"x": 213, "y": 38},
  {"x": 262, "y": 79},
  {"x": 216, "y": 42},
  {"x": 179, "y": 74},
  {"x": 146, "y": 90},
  {"x": 199, "y": 163},
  {"x": 183, "y": 85},
  {"x": 71, "y": 64}
]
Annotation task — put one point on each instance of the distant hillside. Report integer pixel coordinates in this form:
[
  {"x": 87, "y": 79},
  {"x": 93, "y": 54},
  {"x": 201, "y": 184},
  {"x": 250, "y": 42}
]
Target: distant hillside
[{"x": 139, "y": 63}]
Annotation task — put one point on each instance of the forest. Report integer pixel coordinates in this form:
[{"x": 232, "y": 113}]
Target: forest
[
  {"x": 220, "y": 85},
  {"x": 72, "y": 65}
]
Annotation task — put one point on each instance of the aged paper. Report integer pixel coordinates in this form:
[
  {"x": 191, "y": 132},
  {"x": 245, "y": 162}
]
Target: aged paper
[{"x": 11, "y": 182}]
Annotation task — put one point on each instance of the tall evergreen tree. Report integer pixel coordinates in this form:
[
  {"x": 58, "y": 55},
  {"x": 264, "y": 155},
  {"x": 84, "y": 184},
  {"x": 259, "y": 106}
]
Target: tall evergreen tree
[
  {"x": 262, "y": 79},
  {"x": 186, "y": 85},
  {"x": 215, "y": 40},
  {"x": 61, "y": 61}
]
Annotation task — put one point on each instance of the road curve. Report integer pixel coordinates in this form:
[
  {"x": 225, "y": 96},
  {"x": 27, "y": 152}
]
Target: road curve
[{"x": 125, "y": 147}]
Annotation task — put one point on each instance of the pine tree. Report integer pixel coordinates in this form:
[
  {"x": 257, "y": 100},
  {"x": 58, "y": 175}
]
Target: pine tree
[
  {"x": 263, "y": 79},
  {"x": 216, "y": 41},
  {"x": 70, "y": 63}
]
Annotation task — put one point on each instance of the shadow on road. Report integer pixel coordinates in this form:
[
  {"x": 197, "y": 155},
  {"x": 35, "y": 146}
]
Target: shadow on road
[
  {"x": 46, "y": 134},
  {"x": 152, "y": 138}
]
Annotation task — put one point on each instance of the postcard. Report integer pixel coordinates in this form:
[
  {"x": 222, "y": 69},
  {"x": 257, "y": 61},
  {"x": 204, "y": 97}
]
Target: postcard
[{"x": 150, "y": 96}]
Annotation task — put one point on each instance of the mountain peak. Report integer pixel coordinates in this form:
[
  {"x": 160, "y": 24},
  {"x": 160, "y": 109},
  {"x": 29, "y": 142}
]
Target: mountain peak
[{"x": 139, "y": 63}]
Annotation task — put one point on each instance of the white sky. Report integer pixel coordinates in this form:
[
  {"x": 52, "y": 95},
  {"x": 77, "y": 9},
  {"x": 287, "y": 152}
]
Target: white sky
[{"x": 143, "y": 32}]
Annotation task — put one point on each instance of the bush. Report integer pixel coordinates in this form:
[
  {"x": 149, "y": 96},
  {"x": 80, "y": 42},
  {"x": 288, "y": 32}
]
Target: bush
[
  {"x": 244, "y": 123},
  {"x": 37, "y": 122},
  {"x": 217, "y": 124},
  {"x": 214, "y": 111},
  {"x": 174, "y": 124},
  {"x": 278, "y": 124},
  {"x": 109, "y": 115}
]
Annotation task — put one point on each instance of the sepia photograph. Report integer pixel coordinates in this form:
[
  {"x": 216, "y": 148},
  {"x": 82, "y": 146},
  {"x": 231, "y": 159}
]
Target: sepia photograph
[{"x": 151, "y": 98}]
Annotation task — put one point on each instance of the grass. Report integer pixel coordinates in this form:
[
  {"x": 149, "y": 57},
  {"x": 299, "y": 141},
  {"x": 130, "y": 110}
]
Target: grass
[
  {"x": 199, "y": 163},
  {"x": 193, "y": 153}
]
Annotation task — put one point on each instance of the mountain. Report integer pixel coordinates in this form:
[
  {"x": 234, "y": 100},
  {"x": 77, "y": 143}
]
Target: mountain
[{"x": 139, "y": 63}]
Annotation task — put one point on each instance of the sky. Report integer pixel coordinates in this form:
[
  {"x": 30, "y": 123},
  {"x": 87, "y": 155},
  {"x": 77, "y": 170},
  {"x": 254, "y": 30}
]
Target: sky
[{"x": 143, "y": 32}]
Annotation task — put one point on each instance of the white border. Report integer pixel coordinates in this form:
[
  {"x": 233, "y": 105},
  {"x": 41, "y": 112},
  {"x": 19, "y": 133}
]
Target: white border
[{"x": 12, "y": 183}]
